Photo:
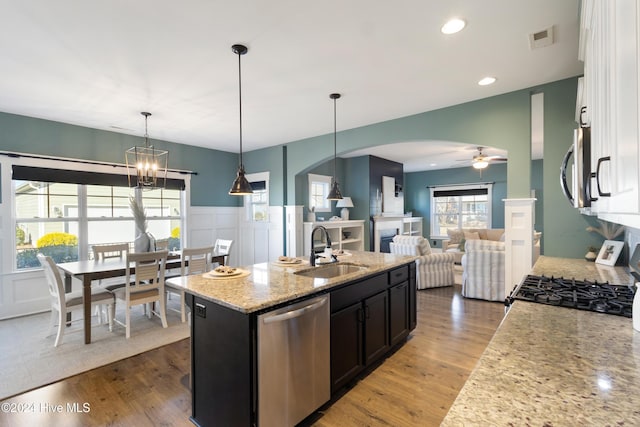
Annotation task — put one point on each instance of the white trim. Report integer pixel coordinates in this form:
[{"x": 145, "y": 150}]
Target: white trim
[
  {"x": 457, "y": 187},
  {"x": 325, "y": 179}
]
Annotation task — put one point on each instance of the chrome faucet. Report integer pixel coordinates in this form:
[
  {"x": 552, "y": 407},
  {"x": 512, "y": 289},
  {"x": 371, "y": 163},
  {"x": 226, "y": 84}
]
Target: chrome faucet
[{"x": 312, "y": 256}]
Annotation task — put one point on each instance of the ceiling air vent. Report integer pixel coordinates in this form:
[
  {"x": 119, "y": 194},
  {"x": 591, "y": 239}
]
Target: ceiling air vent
[{"x": 541, "y": 38}]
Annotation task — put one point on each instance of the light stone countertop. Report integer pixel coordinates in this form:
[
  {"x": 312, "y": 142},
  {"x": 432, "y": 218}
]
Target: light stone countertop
[
  {"x": 549, "y": 365},
  {"x": 270, "y": 284}
]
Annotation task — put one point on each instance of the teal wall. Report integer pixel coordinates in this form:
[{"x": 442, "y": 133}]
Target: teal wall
[
  {"x": 501, "y": 121},
  {"x": 565, "y": 228},
  {"x": 215, "y": 169},
  {"x": 417, "y": 198},
  {"x": 356, "y": 185},
  {"x": 270, "y": 160}
]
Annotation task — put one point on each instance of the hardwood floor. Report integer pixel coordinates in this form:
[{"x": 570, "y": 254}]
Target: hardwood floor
[{"x": 413, "y": 387}]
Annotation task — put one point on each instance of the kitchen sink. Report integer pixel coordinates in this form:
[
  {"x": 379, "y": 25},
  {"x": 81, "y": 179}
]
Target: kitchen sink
[{"x": 331, "y": 270}]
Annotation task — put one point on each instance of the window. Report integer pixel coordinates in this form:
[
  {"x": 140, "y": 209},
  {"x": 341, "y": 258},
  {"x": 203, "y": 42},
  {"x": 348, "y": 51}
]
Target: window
[
  {"x": 257, "y": 204},
  {"x": 63, "y": 219},
  {"x": 460, "y": 207},
  {"x": 319, "y": 187}
]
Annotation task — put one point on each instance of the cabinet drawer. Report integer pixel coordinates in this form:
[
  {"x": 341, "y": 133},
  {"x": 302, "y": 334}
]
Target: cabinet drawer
[
  {"x": 399, "y": 275},
  {"x": 358, "y": 291}
]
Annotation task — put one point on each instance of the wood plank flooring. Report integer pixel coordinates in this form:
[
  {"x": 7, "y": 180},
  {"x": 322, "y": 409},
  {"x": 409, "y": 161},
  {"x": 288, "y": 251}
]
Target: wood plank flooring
[{"x": 413, "y": 387}]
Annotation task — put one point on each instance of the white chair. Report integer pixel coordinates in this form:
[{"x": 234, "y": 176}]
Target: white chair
[
  {"x": 193, "y": 261},
  {"x": 162, "y": 244},
  {"x": 432, "y": 269},
  {"x": 63, "y": 303},
  {"x": 106, "y": 251},
  {"x": 483, "y": 270},
  {"x": 147, "y": 287},
  {"x": 223, "y": 247}
]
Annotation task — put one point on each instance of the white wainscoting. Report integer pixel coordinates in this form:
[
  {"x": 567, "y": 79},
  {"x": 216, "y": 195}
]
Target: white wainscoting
[{"x": 253, "y": 242}]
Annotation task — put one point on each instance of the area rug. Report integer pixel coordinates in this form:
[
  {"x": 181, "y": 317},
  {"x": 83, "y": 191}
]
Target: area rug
[{"x": 29, "y": 360}]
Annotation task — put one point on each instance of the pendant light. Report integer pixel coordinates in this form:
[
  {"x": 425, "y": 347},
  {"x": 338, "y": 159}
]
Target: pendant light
[
  {"x": 149, "y": 164},
  {"x": 334, "y": 194},
  {"x": 240, "y": 186}
]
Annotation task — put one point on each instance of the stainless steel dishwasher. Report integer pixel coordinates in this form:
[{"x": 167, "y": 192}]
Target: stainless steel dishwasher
[{"x": 293, "y": 362}]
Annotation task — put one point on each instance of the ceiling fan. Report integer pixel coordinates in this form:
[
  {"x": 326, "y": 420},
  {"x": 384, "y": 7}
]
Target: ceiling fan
[{"x": 481, "y": 161}]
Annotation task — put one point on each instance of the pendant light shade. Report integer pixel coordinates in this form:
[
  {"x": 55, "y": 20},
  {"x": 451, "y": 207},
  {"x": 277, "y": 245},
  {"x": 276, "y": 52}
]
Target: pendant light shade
[
  {"x": 334, "y": 193},
  {"x": 149, "y": 164},
  {"x": 240, "y": 186}
]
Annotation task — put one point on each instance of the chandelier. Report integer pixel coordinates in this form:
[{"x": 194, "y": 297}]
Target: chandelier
[{"x": 150, "y": 164}]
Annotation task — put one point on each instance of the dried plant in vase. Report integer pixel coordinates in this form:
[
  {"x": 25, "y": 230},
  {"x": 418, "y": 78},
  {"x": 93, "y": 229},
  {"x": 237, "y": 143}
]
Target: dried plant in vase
[
  {"x": 144, "y": 241},
  {"x": 608, "y": 230}
]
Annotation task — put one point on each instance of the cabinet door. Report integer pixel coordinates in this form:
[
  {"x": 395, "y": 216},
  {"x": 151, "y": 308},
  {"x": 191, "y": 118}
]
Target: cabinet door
[
  {"x": 398, "y": 312},
  {"x": 413, "y": 307},
  {"x": 346, "y": 345},
  {"x": 376, "y": 327}
]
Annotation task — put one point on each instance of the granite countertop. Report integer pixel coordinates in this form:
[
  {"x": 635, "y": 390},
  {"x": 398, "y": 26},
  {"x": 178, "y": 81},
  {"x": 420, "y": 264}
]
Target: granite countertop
[
  {"x": 580, "y": 269},
  {"x": 550, "y": 365},
  {"x": 268, "y": 284}
]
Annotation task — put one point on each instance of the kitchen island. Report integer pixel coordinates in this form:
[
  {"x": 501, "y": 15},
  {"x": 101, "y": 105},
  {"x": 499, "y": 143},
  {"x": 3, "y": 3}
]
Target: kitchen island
[
  {"x": 370, "y": 312},
  {"x": 549, "y": 365}
]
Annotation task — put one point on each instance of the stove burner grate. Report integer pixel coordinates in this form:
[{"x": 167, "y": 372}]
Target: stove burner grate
[{"x": 580, "y": 294}]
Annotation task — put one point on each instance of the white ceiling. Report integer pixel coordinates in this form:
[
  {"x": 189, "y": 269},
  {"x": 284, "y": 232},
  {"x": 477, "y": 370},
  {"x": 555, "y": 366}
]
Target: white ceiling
[{"x": 100, "y": 63}]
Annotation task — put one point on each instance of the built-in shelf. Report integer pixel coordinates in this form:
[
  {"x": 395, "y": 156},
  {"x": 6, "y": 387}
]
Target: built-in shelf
[
  {"x": 384, "y": 225},
  {"x": 336, "y": 230}
]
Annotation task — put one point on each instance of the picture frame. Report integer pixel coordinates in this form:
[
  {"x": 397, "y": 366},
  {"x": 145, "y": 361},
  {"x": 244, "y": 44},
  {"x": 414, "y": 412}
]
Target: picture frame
[
  {"x": 609, "y": 252},
  {"x": 634, "y": 263}
]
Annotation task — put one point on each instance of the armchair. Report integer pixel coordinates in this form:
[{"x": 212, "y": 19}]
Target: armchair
[
  {"x": 483, "y": 270},
  {"x": 432, "y": 269}
]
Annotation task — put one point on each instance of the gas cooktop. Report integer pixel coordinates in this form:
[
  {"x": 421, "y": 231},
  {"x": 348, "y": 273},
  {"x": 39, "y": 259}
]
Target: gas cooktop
[{"x": 580, "y": 294}]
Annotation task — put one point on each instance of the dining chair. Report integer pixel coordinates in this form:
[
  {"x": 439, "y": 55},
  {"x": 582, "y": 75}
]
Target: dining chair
[
  {"x": 63, "y": 303},
  {"x": 103, "y": 252},
  {"x": 223, "y": 247},
  {"x": 162, "y": 244},
  {"x": 147, "y": 286},
  {"x": 193, "y": 261}
]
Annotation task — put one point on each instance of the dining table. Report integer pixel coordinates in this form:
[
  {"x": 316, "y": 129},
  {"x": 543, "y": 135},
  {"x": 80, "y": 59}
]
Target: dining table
[{"x": 89, "y": 270}]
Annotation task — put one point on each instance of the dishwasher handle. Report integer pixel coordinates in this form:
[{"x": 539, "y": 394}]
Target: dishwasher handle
[{"x": 294, "y": 313}]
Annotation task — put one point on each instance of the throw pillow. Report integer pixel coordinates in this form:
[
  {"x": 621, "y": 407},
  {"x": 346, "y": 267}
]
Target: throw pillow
[
  {"x": 461, "y": 245},
  {"x": 501, "y": 238},
  {"x": 424, "y": 247},
  {"x": 455, "y": 236},
  {"x": 471, "y": 235}
]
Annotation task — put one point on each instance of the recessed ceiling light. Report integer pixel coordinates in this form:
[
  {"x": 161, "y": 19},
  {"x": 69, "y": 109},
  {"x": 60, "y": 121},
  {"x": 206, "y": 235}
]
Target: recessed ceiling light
[
  {"x": 487, "y": 81},
  {"x": 453, "y": 26}
]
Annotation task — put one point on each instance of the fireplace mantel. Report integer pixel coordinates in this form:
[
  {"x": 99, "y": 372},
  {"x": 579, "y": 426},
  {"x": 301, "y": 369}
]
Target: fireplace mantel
[{"x": 400, "y": 224}]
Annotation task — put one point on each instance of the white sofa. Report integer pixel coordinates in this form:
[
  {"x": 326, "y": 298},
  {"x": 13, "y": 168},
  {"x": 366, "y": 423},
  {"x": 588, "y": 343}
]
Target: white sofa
[
  {"x": 483, "y": 268},
  {"x": 432, "y": 269}
]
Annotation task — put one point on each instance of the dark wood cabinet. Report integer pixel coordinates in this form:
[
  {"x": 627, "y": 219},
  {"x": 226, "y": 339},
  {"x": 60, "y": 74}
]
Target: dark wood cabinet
[
  {"x": 221, "y": 381},
  {"x": 399, "y": 312},
  {"x": 376, "y": 327},
  {"x": 368, "y": 318},
  {"x": 346, "y": 345}
]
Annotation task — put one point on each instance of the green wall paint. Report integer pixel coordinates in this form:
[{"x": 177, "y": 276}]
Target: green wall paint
[
  {"x": 565, "y": 228},
  {"x": 418, "y": 198},
  {"x": 501, "y": 121},
  {"x": 215, "y": 169},
  {"x": 356, "y": 186},
  {"x": 268, "y": 160}
]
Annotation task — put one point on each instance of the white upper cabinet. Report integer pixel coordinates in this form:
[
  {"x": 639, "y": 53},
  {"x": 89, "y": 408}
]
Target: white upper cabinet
[{"x": 609, "y": 46}]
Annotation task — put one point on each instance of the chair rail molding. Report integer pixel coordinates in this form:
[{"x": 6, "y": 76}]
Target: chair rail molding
[{"x": 518, "y": 224}]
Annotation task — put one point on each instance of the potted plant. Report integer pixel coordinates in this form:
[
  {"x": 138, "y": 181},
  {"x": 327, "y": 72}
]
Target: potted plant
[{"x": 592, "y": 253}]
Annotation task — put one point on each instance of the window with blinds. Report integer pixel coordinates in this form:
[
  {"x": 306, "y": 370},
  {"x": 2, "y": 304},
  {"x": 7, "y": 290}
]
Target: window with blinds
[{"x": 460, "y": 207}]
